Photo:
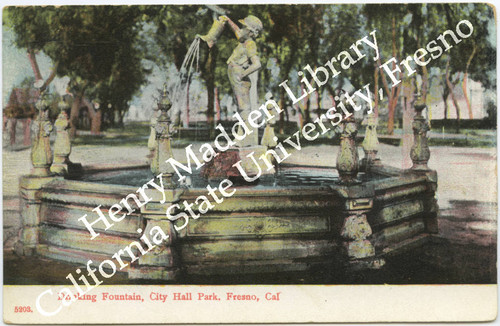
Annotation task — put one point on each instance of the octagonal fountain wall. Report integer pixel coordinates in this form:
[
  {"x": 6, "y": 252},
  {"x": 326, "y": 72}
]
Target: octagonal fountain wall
[{"x": 295, "y": 220}]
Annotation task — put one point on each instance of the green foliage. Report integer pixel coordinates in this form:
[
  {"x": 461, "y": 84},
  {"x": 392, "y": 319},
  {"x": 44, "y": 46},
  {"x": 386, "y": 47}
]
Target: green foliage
[
  {"x": 101, "y": 47},
  {"x": 93, "y": 45}
]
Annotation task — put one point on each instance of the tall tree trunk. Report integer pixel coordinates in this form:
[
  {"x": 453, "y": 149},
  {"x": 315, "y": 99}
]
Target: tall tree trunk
[
  {"x": 451, "y": 86},
  {"x": 50, "y": 78},
  {"x": 95, "y": 128},
  {"x": 425, "y": 84},
  {"x": 121, "y": 114},
  {"x": 376, "y": 95},
  {"x": 408, "y": 89},
  {"x": 281, "y": 124},
  {"x": 75, "y": 110},
  {"x": 307, "y": 111},
  {"x": 445, "y": 101},
  {"x": 390, "y": 118},
  {"x": 318, "y": 104},
  {"x": 301, "y": 119},
  {"x": 36, "y": 70},
  {"x": 304, "y": 108},
  {"x": 95, "y": 117},
  {"x": 34, "y": 64},
  {"x": 217, "y": 104},
  {"x": 212, "y": 59},
  {"x": 424, "y": 91},
  {"x": 394, "y": 91},
  {"x": 466, "y": 96},
  {"x": 12, "y": 130},
  {"x": 464, "y": 82},
  {"x": 27, "y": 132}
]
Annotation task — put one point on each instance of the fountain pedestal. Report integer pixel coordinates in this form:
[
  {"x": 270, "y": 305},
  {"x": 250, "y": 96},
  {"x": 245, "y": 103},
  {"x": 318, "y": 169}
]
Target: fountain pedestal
[
  {"x": 223, "y": 165},
  {"x": 62, "y": 148},
  {"x": 30, "y": 185}
]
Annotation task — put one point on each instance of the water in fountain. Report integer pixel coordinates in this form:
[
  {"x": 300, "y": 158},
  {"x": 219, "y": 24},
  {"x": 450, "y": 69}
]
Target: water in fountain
[{"x": 181, "y": 87}]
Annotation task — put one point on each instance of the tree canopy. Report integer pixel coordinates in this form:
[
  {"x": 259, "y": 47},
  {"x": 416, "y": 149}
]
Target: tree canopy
[{"x": 102, "y": 48}]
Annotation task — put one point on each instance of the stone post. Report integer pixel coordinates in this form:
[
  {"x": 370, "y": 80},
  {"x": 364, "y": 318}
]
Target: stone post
[
  {"x": 163, "y": 150},
  {"x": 269, "y": 137},
  {"x": 370, "y": 143},
  {"x": 420, "y": 153},
  {"x": 30, "y": 185},
  {"x": 41, "y": 154},
  {"x": 62, "y": 144},
  {"x": 152, "y": 135},
  {"x": 347, "y": 159},
  {"x": 355, "y": 232},
  {"x": 162, "y": 262}
]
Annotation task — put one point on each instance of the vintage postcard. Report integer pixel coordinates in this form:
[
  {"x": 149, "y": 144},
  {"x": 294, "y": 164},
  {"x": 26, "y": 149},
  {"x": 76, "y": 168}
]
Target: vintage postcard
[{"x": 249, "y": 163}]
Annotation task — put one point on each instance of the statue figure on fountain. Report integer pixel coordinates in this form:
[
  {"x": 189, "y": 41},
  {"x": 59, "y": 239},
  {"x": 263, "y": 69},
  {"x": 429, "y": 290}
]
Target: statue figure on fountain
[
  {"x": 243, "y": 69},
  {"x": 243, "y": 66}
]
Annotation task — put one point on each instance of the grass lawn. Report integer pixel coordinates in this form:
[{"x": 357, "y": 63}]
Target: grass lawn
[{"x": 137, "y": 133}]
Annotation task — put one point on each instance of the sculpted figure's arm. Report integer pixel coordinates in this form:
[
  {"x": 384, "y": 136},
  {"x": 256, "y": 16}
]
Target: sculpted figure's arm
[
  {"x": 255, "y": 60},
  {"x": 234, "y": 27}
]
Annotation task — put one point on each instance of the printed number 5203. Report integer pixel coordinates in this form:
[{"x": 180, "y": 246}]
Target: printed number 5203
[{"x": 22, "y": 309}]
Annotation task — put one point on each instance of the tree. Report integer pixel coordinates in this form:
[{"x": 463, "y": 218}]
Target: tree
[
  {"x": 392, "y": 25},
  {"x": 93, "y": 45},
  {"x": 476, "y": 55},
  {"x": 472, "y": 58}
]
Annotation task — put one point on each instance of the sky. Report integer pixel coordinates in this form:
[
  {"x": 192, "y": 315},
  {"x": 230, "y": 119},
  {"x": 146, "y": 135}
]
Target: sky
[{"x": 16, "y": 67}]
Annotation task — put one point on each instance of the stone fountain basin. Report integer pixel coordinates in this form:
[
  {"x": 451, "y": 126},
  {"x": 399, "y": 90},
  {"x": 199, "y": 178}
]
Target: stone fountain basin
[{"x": 293, "y": 221}]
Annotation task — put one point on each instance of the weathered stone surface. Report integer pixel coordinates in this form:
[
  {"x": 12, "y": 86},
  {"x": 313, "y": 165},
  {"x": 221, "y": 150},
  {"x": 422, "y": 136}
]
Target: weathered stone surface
[
  {"x": 30, "y": 214},
  {"x": 397, "y": 212},
  {"x": 371, "y": 143},
  {"x": 62, "y": 145},
  {"x": 80, "y": 240},
  {"x": 159, "y": 256},
  {"x": 245, "y": 250},
  {"x": 399, "y": 232},
  {"x": 252, "y": 200},
  {"x": 163, "y": 150},
  {"x": 166, "y": 226},
  {"x": 76, "y": 256},
  {"x": 41, "y": 153},
  {"x": 420, "y": 152},
  {"x": 359, "y": 204},
  {"x": 347, "y": 160},
  {"x": 249, "y": 266},
  {"x": 256, "y": 226},
  {"x": 356, "y": 227},
  {"x": 171, "y": 195},
  {"x": 61, "y": 215},
  {"x": 29, "y": 236},
  {"x": 154, "y": 273},
  {"x": 359, "y": 249},
  {"x": 152, "y": 135}
]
